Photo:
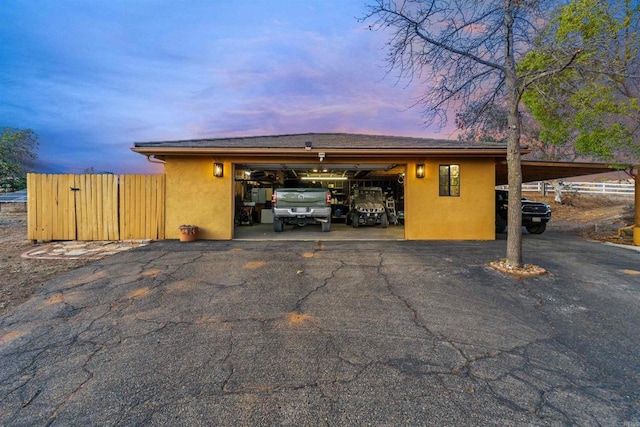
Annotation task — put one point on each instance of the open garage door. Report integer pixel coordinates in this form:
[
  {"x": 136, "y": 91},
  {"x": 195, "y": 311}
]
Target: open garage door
[{"x": 256, "y": 182}]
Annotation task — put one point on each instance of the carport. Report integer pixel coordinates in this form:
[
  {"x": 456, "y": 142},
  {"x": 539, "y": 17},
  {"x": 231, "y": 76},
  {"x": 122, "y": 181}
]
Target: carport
[
  {"x": 545, "y": 170},
  {"x": 538, "y": 170}
]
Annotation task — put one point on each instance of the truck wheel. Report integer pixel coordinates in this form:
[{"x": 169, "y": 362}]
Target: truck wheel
[
  {"x": 536, "y": 228},
  {"x": 501, "y": 224},
  {"x": 384, "y": 221},
  {"x": 277, "y": 225},
  {"x": 326, "y": 226}
]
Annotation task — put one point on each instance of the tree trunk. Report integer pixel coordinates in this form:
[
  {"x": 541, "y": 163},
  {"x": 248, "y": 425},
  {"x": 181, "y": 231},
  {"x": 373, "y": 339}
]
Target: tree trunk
[{"x": 514, "y": 212}]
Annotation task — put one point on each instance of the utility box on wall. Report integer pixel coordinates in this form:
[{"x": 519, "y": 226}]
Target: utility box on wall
[{"x": 261, "y": 195}]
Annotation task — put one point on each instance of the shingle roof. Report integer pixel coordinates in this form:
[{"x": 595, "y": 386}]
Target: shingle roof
[{"x": 322, "y": 141}]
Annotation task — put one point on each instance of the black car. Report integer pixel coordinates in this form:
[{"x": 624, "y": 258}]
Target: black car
[{"x": 535, "y": 215}]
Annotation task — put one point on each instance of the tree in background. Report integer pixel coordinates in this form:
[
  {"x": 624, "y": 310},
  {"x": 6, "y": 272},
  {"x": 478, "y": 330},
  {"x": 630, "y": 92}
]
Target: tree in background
[
  {"x": 17, "y": 149},
  {"x": 594, "y": 105},
  {"x": 91, "y": 170},
  {"x": 468, "y": 51}
]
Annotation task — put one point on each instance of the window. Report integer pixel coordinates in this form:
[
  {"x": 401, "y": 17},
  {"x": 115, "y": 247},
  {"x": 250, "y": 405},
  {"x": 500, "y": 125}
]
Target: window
[{"x": 450, "y": 180}]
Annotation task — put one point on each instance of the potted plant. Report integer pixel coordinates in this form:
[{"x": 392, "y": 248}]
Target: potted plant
[{"x": 188, "y": 233}]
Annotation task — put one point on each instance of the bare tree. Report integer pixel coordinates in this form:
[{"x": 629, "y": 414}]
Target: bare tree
[
  {"x": 468, "y": 51},
  {"x": 490, "y": 124}
]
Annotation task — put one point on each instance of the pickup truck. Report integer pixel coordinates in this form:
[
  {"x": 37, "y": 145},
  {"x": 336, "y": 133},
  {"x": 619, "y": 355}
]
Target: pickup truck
[
  {"x": 368, "y": 207},
  {"x": 535, "y": 215},
  {"x": 301, "y": 206}
]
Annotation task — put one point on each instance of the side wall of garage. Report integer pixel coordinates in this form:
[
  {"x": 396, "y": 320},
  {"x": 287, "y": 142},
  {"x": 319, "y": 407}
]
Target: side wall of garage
[
  {"x": 194, "y": 196},
  {"x": 469, "y": 216}
]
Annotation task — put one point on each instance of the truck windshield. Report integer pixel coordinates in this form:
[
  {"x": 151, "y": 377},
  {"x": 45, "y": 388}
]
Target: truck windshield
[{"x": 369, "y": 196}]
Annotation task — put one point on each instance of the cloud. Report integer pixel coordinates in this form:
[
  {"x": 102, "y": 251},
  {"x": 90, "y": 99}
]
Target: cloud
[{"x": 93, "y": 77}]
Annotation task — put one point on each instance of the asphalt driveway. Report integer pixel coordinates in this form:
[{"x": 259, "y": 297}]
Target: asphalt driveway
[{"x": 330, "y": 333}]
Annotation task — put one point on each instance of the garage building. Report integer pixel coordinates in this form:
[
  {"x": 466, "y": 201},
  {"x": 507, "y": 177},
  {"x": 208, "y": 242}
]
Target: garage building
[{"x": 440, "y": 189}]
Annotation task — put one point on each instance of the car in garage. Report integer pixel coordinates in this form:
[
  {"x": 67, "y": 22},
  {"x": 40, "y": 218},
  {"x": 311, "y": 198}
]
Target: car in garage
[
  {"x": 368, "y": 207},
  {"x": 535, "y": 215}
]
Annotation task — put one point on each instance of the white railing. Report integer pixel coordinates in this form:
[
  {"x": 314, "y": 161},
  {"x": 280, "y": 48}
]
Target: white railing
[{"x": 613, "y": 188}]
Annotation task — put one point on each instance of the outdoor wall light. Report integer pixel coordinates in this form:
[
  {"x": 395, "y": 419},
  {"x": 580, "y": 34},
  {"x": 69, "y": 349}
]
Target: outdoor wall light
[
  {"x": 420, "y": 170},
  {"x": 218, "y": 170}
]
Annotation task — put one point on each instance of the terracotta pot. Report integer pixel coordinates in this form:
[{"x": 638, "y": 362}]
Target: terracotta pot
[{"x": 188, "y": 233}]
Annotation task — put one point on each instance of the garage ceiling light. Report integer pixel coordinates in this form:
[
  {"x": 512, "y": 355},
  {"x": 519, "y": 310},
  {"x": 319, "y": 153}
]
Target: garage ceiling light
[
  {"x": 324, "y": 178},
  {"x": 306, "y": 166}
]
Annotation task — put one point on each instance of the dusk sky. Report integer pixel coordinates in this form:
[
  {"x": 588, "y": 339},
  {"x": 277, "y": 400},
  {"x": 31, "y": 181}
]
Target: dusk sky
[{"x": 91, "y": 77}]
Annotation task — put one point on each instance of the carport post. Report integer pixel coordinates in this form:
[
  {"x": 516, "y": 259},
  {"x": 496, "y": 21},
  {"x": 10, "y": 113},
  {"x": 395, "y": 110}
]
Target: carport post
[{"x": 636, "y": 216}]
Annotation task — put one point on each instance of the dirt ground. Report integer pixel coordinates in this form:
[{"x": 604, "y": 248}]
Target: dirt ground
[
  {"x": 594, "y": 217},
  {"x": 591, "y": 217},
  {"x": 19, "y": 277}
]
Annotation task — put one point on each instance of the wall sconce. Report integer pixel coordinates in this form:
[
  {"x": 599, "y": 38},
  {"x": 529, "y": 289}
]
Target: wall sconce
[
  {"x": 420, "y": 170},
  {"x": 218, "y": 170}
]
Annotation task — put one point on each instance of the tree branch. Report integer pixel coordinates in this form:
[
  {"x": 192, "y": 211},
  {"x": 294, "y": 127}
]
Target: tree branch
[{"x": 530, "y": 78}]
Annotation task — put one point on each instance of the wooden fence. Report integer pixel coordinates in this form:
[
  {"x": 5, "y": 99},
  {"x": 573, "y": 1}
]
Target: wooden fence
[
  {"x": 95, "y": 207},
  {"x": 610, "y": 188}
]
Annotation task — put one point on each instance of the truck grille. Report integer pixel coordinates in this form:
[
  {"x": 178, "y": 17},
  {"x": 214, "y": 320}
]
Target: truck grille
[{"x": 534, "y": 209}]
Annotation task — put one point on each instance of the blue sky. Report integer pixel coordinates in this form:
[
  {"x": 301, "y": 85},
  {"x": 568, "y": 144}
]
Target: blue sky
[{"x": 90, "y": 77}]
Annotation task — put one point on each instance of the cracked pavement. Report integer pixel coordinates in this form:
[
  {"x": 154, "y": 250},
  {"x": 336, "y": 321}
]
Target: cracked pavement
[{"x": 329, "y": 333}]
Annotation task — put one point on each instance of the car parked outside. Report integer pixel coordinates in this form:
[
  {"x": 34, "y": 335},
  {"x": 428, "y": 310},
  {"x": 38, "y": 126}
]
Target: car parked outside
[{"x": 535, "y": 215}]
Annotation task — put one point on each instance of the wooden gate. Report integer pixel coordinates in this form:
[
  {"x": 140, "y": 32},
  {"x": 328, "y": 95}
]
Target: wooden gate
[
  {"x": 141, "y": 207},
  {"x": 95, "y": 207}
]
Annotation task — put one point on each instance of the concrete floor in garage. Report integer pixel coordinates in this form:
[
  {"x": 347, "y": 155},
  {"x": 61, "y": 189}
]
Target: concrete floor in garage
[{"x": 339, "y": 231}]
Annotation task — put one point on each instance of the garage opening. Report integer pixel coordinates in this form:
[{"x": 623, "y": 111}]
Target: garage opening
[{"x": 349, "y": 185}]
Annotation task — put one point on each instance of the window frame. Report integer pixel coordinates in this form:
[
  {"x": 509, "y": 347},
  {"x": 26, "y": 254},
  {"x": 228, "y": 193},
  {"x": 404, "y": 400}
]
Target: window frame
[{"x": 448, "y": 183}]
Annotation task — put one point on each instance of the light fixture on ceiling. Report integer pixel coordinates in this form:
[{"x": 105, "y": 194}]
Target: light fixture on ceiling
[
  {"x": 218, "y": 170},
  {"x": 420, "y": 170},
  {"x": 308, "y": 145},
  {"x": 324, "y": 178}
]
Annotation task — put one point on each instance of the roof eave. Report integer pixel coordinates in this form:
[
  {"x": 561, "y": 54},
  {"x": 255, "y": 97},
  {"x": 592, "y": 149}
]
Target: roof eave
[{"x": 334, "y": 152}]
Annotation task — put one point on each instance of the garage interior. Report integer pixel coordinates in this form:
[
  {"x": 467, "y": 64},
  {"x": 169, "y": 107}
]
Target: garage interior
[{"x": 254, "y": 185}]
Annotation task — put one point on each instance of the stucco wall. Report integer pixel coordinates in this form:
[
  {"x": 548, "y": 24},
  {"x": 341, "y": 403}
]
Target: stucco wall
[
  {"x": 471, "y": 216},
  {"x": 194, "y": 196}
]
